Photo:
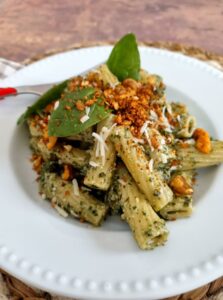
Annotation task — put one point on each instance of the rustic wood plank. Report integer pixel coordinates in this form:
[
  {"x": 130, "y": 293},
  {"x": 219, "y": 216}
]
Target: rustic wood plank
[{"x": 29, "y": 27}]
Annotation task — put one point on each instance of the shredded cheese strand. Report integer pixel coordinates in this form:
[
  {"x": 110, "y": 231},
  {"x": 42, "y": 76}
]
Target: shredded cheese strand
[
  {"x": 101, "y": 138},
  {"x": 144, "y": 130},
  {"x": 165, "y": 121},
  {"x": 151, "y": 165},
  {"x": 56, "y": 105},
  {"x": 87, "y": 110},
  {"x": 153, "y": 115},
  {"x": 84, "y": 119},
  {"x": 75, "y": 187},
  {"x": 93, "y": 164}
]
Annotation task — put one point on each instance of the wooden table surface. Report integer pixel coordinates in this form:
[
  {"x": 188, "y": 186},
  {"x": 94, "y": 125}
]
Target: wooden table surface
[{"x": 29, "y": 27}]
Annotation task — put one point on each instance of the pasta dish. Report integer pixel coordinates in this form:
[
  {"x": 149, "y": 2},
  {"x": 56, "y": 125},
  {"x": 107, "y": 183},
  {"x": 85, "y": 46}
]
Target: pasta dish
[{"x": 109, "y": 142}]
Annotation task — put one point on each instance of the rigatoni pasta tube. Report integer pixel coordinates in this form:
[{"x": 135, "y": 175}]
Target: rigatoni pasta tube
[
  {"x": 80, "y": 205},
  {"x": 107, "y": 76},
  {"x": 149, "y": 181},
  {"x": 34, "y": 128},
  {"x": 187, "y": 126},
  {"x": 190, "y": 158},
  {"x": 113, "y": 196},
  {"x": 67, "y": 154},
  {"x": 101, "y": 165},
  {"x": 148, "y": 229},
  {"x": 181, "y": 206}
]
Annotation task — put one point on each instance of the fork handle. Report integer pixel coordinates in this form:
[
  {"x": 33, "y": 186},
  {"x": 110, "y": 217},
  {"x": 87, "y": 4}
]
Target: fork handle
[
  {"x": 7, "y": 92},
  {"x": 13, "y": 91},
  {"x": 38, "y": 89}
]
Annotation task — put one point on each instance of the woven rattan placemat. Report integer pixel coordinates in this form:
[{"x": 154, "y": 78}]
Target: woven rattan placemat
[{"x": 13, "y": 289}]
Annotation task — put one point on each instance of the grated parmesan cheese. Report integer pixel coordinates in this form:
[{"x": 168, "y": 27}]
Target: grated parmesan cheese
[
  {"x": 164, "y": 158},
  {"x": 74, "y": 214},
  {"x": 98, "y": 137},
  {"x": 87, "y": 110},
  {"x": 84, "y": 119},
  {"x": 144, "y": 127},
  {"x": 168, "y": 129},
  {"x": 150, "y": 242},
  {"x": 68, "y": 148},
  {"x": 169, "y": 109},
  {"x": 43, "y": 196},
  {"x": 61, "y": 211},
  {"x": 122, "y": 182},
  {"x": 162, "y": 144},
  {"x": 166, "y": 122},
  {"x": 179, "y": 118},
  {"x": 144, "y": 130},
  {"x": 153, "y": 115},
  {"x": 138, "y": 141},
  {"x": 101, "y": 147},
  {"x": 151, "y": 165},
  {"x": 85, "y": 189},
  {"x": 173, "y": 168},
  {"x": 93, "y": 164},
  {"x": 75, "y": 187},
  {"x": 114, "y": 84},
  {"x": 101, "y": 138},
  {"x": 107, "y": 131},
  {"x": 190, "y": 142},
  {"x": 56, "y": 105},
  {"x": 162, "y": 141}
]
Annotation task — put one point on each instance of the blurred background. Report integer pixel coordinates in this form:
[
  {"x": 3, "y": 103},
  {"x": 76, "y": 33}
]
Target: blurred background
[{"x": 30, "y": 27}]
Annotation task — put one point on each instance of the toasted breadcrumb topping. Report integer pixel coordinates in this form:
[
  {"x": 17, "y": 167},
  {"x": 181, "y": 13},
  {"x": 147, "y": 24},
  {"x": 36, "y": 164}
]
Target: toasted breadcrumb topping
[{"x": 131, "y": 100}]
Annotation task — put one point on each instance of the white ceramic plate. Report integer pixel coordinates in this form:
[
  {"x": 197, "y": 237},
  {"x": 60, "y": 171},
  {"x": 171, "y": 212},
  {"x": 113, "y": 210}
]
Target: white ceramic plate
[{"x": 74, "y": 259}]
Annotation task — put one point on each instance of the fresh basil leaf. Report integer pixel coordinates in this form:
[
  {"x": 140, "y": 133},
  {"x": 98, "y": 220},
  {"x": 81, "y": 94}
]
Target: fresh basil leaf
[
  {"x": 65, "y": 122},
  {"x": 82, "y": 94},
  {"x": 52, "y": 94},
  {"x": 124, "y": 60}
]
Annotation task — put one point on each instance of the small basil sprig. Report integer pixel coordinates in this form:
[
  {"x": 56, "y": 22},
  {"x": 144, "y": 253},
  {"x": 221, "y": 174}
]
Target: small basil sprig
[
  {"x": 124, "y": 60},
  {"x": 66, "y": 122},
  {"x": 51, "y": 95}
]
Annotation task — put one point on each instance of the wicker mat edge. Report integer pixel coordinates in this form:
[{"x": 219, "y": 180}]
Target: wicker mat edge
[
  {"x": 185, "y": 49},
  {"x": 13, "y": 289}
]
